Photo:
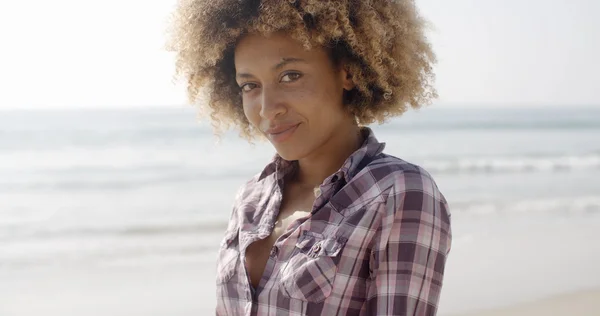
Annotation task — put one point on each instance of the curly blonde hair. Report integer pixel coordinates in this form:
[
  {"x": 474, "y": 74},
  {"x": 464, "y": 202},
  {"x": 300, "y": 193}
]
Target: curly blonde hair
[{"x": 382, "y": 43}]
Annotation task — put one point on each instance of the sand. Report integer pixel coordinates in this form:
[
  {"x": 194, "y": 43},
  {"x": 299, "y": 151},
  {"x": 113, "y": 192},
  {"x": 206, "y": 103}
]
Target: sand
[
  {"x": 515, "y": 262},
  {"x": 182, "y": 290},
  {"x": 506, "y": 267},
  {"x": 584, "y": 303},
  {"x": 188, "y": 290}
]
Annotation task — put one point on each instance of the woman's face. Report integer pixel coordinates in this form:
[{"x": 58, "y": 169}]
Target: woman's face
[{"x": 293, "y": 96}]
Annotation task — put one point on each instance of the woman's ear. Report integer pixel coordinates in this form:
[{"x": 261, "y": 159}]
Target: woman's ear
[{"x": 347, "y": 81}]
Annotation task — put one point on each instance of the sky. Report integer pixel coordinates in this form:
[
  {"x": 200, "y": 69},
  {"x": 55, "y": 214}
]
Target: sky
[{"x": 110, "y": 53}]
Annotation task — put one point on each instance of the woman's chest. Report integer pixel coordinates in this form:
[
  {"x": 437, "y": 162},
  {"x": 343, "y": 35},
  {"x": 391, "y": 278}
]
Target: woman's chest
[
  {"x": 258, "y": 252},
  {"x": 325, "y": 253}
]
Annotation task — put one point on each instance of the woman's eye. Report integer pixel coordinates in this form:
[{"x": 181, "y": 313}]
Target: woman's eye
[
  {"x": 292, "y": 76},
  {"x": 246, "y": 87}
]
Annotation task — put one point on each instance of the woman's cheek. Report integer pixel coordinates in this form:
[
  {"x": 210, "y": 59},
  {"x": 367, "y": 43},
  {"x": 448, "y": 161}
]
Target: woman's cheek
[{"x": 251, "y": 110}]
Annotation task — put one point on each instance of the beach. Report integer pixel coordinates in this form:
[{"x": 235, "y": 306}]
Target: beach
[
  {"x": 187, "y": 291},
  {"x": 120, "y": 212},
  {"x": 527, "y": 267},
  {"x": 584, "y": 303},
  {"x": 492, "y": 276},
  {"x": 174, "y": 290}
]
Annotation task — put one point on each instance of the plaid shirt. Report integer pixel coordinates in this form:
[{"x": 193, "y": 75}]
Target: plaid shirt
[{"x": 376, "y": 242}]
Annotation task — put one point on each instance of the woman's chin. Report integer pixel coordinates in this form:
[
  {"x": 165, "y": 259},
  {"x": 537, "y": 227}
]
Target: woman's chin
[{"x": 289, "y": 151}]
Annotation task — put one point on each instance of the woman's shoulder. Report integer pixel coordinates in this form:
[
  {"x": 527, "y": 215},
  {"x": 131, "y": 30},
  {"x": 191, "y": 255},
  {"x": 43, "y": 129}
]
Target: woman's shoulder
[
  {"x": 245, "y": 193},
  {"x": 401, "y": 191},
  {"x": 394, "y": 176},
  {"x": 249, "y": 187}
]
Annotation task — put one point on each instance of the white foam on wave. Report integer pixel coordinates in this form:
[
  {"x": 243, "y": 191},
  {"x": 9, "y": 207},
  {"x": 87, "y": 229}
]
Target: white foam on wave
[
  {"x": 513, "y": 164},
  {"x": 562, "y": 206}
]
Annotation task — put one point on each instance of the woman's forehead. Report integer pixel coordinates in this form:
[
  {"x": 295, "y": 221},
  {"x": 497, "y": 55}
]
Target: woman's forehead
[{"x": 277, "y": 48}]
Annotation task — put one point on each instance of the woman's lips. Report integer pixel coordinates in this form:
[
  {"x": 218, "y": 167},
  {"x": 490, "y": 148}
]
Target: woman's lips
[{"x": 281, "y": 133}]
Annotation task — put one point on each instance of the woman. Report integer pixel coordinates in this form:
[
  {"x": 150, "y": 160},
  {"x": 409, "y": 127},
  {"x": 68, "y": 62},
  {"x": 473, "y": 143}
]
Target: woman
[{"x": 332, "y": 225}]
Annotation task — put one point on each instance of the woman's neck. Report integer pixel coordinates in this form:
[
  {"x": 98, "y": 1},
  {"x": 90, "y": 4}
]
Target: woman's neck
[{"x": 313, "y": 169}]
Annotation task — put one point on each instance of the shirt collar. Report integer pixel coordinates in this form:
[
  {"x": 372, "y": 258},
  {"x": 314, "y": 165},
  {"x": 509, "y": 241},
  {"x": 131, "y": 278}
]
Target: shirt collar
[{"x": 370, "y": 147}]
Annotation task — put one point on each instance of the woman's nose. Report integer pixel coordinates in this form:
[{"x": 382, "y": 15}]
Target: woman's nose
[{"x": 272, "y": 104}]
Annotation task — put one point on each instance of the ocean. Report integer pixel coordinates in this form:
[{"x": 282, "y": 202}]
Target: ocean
[{"x": 144, "y": 187}]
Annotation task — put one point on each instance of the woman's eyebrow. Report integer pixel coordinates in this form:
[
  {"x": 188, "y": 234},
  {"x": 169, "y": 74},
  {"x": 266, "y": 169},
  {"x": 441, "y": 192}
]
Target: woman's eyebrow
[
  {"x": 284, "y": 61},
  {"x": 243, "y": 76},
  {"x": 288, "y": 60}
]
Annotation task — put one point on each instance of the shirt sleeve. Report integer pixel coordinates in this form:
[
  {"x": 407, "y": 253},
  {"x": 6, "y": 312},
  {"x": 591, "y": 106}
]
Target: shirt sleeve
[{"x": 410, "y": 249}]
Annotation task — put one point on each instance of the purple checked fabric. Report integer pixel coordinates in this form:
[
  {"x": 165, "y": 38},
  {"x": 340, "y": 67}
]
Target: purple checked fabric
[{"x": 376, "y": 242}]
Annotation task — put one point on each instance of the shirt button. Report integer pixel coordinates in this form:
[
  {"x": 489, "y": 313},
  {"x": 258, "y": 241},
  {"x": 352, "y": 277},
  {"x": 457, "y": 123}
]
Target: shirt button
[
  {"x": 274, "y": 251},
  {"x": 317, "y": 248},
  {"x": 317, "y": 191}
]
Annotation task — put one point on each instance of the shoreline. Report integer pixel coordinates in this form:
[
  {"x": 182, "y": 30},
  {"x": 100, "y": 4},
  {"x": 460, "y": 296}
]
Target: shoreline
[
  {"x": 580, "y": 303},
  {"x": 188, "y": 289}
]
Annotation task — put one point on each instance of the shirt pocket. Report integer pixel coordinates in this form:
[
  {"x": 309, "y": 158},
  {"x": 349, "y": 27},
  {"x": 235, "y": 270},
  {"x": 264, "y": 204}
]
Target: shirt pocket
[
  {"x": 310, "y": 273},
  {"x": 228, "y": 258}
]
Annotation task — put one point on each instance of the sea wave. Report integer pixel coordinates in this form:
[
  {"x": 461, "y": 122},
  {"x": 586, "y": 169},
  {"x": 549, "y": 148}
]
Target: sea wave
[
  {"x": 25, "y": 231},
  {"x": 118, "y": 182},
  {"x": 140, "y": 243},
  {"x": 564, "y": 206},
  {"x": 136, "y": 255},
  {"x": 124, "y": 178},
  {"x": 572, "y": 124},
  {"x": 142, "y": 230},
  {"x": 560, "y": 206},
  {"x": 512, "y": 164}
]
